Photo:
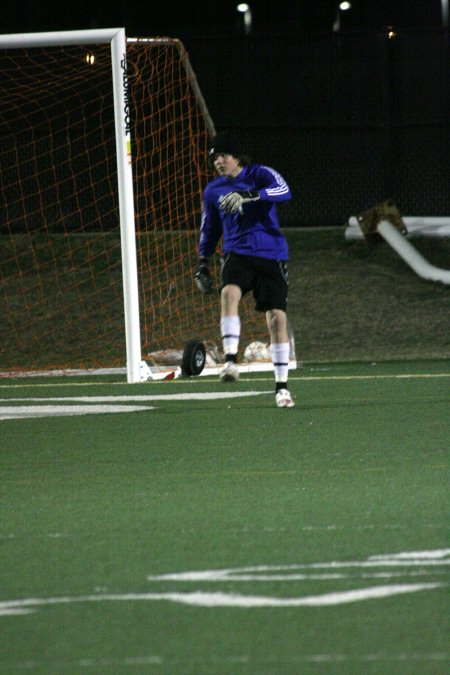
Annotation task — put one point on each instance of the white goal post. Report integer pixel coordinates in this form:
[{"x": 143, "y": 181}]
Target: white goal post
[{"x": 116, "y": 37}]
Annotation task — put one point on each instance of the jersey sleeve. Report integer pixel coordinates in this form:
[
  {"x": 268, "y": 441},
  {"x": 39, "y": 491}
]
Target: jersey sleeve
[
  {"x": 274, "y": 187},
  {"x": 210, "y": 230}
]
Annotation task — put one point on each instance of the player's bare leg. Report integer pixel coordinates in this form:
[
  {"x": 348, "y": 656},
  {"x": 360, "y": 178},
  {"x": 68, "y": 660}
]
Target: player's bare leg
[
  {"x": 279, "y": 348},
  {"x": 230, "y": 328}
]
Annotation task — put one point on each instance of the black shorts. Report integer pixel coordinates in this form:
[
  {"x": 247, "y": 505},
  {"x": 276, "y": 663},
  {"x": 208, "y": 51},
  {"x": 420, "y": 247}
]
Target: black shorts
[{"x": 268, "y": 279}]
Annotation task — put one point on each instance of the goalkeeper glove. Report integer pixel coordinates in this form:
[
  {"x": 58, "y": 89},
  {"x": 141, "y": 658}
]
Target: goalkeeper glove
[
  {"x": 203, "y": 279},
  {"x": 233, "y": 201}
]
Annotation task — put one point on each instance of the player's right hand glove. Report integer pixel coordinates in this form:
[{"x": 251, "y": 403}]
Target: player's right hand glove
[
  {"x": 203, "y": 279},
  {"x": 232, "y": 202}
]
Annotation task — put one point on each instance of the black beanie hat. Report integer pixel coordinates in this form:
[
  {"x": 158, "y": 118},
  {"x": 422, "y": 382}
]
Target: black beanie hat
[{"x": 225, "y": 143}]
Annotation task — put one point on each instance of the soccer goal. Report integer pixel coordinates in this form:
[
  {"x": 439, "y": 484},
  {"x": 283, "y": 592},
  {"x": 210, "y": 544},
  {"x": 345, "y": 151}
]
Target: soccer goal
[{"x": 103, "y": 144}]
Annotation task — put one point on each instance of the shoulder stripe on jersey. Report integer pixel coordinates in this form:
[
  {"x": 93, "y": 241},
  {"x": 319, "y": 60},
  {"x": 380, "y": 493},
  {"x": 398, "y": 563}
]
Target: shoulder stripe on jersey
[
  {"x": 277, "y": 191},
  {"x": 282, "y": 185}
]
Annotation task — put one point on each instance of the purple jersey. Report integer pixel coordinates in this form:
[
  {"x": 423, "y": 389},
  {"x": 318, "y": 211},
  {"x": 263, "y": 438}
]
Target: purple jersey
[{"x": 254, "y": 229}]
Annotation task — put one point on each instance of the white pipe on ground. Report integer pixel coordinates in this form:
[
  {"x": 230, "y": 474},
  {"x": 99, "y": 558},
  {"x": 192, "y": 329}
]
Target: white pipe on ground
[{"x": 410, "y": 255}]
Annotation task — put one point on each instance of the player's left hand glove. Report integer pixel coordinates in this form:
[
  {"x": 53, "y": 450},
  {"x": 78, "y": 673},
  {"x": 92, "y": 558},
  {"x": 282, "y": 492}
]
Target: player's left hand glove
[
  {"x": 233, "y": 201},
  {"x": 203, "y": 279}
]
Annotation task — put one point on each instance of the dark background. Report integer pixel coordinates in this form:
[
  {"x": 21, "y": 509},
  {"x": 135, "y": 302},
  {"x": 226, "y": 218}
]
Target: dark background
[
  {"x": 350, "y": 112},
  {"x": 217, "y": 18}
]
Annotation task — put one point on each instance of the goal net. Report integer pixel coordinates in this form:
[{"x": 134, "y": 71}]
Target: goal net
[{"x": 64, "y": 197}]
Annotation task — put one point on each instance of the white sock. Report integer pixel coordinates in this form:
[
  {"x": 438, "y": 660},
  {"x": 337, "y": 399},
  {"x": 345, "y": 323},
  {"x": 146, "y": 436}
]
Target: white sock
[
  {"x": 280, "y": 358},
  {"x": 230, "y": 330}
]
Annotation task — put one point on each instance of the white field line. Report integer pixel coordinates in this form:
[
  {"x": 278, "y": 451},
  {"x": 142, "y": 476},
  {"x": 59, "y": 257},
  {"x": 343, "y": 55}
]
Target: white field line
[
  {"x": 22, "y": 412},
  {"x": 258, "y": 573},
  {"x": 269, "y": 378},
  {"x": 206, "y": 599},
  {"x": 234, "y": 575},
  {"x": 198, "y": 396},
  {"x": 97, "y": 404},
  {"x": 315, "y": 378},
  {"x": 253, "y": 661},
  {"x": 381, "y": 656},
  {"x": 293, "y": 577},
  {"x": 437, "y": 554},
  {"x": 439, "y": 557},
  {"x": 244, "y": 530},
  {"x": 405, "y": 376}
]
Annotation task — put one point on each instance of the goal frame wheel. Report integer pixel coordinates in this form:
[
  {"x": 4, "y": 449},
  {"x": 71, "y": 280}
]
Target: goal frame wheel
[{"x": 194, "y": 358}]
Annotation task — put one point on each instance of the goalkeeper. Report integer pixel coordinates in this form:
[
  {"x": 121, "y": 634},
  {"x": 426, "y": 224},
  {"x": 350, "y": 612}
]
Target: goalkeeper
[{"x": 240, "y": 206}]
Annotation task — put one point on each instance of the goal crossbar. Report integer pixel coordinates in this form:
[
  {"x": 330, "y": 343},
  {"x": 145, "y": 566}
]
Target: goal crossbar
[{"x": 59, "y": 38}]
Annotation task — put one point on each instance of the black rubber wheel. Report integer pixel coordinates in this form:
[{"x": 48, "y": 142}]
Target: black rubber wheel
[{"x": 194, "y": 358}]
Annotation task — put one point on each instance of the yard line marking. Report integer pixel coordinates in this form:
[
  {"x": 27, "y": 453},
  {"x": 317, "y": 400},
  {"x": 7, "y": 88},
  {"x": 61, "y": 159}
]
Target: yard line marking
[
  {"x": 381, "y": 656},
  {"x": 438, "y": 557},
  {"x": 293, "y": 577},
  {"x": 437, "y": 554},
  {"x": 404, "y": 376},
  {"x": 21, "y": 412},
  {"x": 206, "y": 380},
  {"x": 324, "y": 600},
  {"x": 200, "y": 598},
  {"x": 306, "y": 378},
  {"x": 243, "y": 658},
  {"x": 205, "y": 599},
  {"x": 198, "y": 396},
  {"x": 11, "y": 412},
  {"x": 127, "y": 660}
]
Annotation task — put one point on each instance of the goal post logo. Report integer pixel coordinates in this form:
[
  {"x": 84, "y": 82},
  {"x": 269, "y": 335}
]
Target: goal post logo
[{"x": 126, "y": 98}]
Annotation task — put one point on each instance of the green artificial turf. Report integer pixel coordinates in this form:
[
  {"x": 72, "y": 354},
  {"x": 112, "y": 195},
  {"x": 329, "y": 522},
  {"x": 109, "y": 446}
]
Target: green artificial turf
[{"x": 98, "y": 507}]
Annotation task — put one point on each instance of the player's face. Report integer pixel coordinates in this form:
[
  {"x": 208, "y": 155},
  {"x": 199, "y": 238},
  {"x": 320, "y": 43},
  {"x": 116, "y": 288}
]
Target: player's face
[{"x": 226, "y": 165}]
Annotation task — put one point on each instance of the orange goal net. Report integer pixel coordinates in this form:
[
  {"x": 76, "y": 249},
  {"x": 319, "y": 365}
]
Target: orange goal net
[{"x": 61, "y": 277}]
